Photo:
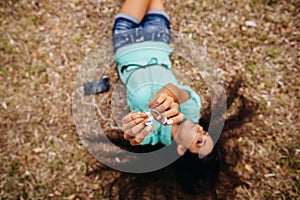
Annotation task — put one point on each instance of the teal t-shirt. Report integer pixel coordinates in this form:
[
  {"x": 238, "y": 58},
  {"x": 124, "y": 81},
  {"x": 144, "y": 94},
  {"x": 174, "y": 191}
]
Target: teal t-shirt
[{"x": 143, "y": 82}]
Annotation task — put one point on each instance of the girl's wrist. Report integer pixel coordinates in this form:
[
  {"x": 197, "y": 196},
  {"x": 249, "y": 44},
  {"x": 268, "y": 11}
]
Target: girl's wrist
[{"x": 179, "y": 95}]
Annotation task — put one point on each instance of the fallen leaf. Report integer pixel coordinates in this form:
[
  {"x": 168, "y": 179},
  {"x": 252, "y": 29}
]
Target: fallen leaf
[
  {"x": 79, "y": 182},
  {"x": 288, "y": 30},
  {"x": 83, "y": 196},
  {"x": 57, "y": 193},
  {"x": 95, "y": 186},
  {"x": 248, "y": 168},
  {"x": 250, "y": 23},
  {"x": 265, "y": 170},
  {"x": 37, "y": 150},
  {"x": 269, "y": 175},
  {"x": 261, "y": 85},
  {"x": 72, "y": 196}
]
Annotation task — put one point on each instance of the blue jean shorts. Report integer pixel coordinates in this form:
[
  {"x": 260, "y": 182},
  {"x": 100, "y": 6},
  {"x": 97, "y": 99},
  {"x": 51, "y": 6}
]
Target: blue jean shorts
[{"x": 127, "y": 30}]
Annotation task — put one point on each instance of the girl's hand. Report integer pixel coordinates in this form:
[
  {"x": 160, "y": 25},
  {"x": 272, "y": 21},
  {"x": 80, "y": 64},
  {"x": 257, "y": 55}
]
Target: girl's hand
[
  {"x": 134, "y": 127},
  {"x": 167, "y": 107}
]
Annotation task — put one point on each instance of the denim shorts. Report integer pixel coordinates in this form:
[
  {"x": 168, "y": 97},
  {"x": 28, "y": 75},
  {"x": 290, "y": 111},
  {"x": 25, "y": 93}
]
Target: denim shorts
[{"x": 127, "y": 30}]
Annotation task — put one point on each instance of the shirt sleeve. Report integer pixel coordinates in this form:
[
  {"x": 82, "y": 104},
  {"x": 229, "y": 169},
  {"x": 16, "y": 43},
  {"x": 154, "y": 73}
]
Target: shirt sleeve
[{"x": 191, "y": 107}]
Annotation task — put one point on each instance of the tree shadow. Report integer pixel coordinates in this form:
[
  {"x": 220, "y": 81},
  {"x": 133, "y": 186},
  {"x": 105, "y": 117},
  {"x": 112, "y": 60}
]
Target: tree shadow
[{"x": 189, "y": 177}]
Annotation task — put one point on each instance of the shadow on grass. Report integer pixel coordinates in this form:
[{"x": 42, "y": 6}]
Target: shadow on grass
[{"x": 190, "y": 177}]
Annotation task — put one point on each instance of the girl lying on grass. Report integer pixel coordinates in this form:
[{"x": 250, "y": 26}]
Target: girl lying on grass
[{"x": 141, "y": 36}]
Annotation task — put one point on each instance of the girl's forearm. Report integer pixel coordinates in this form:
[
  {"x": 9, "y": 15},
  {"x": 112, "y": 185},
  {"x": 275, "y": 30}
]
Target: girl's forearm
[{"x": 179, "y": 95}]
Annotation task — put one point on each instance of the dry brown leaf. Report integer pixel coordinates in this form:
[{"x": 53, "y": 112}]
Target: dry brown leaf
[
  {"x": 248, "y": 168},
  {"x": 72, "y": 196},
  {"x": 95, "y": 186},
  {"x": 57, "y": 193},
  {"x": 37, "y": 150}
]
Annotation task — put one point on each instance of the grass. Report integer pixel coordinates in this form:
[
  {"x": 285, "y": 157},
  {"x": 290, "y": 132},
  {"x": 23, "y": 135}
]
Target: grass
[{"x": 41, "y": 46}]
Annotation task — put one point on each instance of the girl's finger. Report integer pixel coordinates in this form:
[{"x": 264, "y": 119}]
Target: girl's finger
[
  {"x": 138, "y": 128},
  {"x": 141, "y": 136},
  {"x": 133, "y": 115},
  {"x": 127, "y": 136},
  {"x": 133, "y": 142},
  {"x": 176, "y": 119},
  {"x": 127, "y": 127},
  {"x": 171, "y": 112},
  {"x": 165, "y": 105},
  {"x": 157, "y": 100}
]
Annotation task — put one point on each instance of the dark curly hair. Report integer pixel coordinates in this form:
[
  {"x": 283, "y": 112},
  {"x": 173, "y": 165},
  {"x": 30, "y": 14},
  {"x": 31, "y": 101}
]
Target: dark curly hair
[{"x": 196, "y": 174}]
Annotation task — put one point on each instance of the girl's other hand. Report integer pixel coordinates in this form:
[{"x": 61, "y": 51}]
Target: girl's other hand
[
  {"x": 134, "y": 127},
  {"x": 167, "y": 107}
]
